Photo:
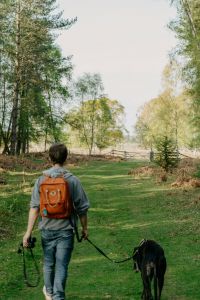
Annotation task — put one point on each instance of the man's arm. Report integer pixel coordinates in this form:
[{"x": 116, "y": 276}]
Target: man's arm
[
  {"x": 33, "y": 214},
  {"x": 83, "y": 220}
]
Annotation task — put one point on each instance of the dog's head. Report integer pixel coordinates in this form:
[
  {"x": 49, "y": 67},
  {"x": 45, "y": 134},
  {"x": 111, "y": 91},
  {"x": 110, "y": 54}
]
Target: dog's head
[{"x": 137, "y": 256}]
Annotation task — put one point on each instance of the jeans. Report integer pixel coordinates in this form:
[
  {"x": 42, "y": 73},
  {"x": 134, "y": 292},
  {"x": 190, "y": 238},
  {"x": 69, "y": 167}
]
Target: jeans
[{"x": 57, "y": 247}]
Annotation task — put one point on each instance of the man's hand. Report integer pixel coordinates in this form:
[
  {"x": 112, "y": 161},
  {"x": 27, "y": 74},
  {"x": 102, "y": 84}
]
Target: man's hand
[
  {"x": 26, "y": 239},
  {"x": 33, "y": 214},
  {"x": 84, "y": 231},
  {"x": 84, "y": 234}
]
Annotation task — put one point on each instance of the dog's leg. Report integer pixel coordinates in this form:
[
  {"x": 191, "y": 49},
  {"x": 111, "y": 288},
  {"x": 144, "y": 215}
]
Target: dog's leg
[
  {"x": 143, "y": 295},
  {"x": 146, "y": 295},
  {"x": 160, "y": 285},
  {"x": 155, "y": 281},
  {"x": 160, "y": 275}
]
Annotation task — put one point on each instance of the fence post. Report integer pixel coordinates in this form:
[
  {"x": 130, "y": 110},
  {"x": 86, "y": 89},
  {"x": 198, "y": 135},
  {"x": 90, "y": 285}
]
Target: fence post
[
  {"x": 151, "y": 155},
  {"x": 125, "y": 155}
]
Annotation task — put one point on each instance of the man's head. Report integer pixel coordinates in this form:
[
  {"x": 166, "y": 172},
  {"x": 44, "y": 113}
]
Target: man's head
[{"x": 58, "y": 153}]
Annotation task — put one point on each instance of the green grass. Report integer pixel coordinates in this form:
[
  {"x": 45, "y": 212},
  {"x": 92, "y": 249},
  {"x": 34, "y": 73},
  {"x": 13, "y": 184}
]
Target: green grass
[{"x": 123, "y": 211}]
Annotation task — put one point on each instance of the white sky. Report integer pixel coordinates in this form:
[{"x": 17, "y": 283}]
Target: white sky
[{"x": 126, "y": 41}]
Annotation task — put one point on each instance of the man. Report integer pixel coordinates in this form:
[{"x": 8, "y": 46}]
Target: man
[{"x": 57, "y": 219}]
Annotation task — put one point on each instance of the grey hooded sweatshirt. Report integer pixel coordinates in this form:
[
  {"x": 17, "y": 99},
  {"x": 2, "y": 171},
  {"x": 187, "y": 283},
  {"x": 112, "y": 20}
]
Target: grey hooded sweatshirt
[{"x": 78, "y": 196}]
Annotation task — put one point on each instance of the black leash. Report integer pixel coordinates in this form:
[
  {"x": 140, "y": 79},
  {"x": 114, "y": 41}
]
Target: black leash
[
  {"x": 22, "y": 251},
  {"x": 106, "y": 256},
  {"x": 79, "y": 239}
]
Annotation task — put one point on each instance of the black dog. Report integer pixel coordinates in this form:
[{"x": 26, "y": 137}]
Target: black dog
[{"x": 150, "y": 260}]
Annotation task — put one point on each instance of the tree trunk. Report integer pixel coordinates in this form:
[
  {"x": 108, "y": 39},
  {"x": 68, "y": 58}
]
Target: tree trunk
[
  {"x": 93, "y": 125},
  {"x": 6, "y": 149},
  {"x": 15, "y": 109}
]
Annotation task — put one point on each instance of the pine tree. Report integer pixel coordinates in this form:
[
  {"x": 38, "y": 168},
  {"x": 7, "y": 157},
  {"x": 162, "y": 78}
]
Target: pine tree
[
  {"x": 32, "y": 85},
  {"x": 167, "y": 155}
]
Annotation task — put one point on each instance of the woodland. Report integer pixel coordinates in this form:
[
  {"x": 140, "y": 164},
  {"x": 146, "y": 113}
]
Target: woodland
[{"x": 37, "y": 88}]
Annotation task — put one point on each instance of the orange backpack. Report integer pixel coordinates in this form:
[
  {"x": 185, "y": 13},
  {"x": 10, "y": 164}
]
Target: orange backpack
[{"x": 55, "y": 201}]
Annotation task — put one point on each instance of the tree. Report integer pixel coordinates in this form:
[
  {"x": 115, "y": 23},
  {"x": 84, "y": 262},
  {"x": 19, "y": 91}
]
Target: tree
[
  {"x": 88, "y": 86},
  {"x": 99, "y": 126},
  {"x": 187, "y": 29},
  {"x": 166, "y": 156},
  {"x": 109, "y": 129},
  {"x": 167, "y": 115},
  {"x": 33, "y": 72}
]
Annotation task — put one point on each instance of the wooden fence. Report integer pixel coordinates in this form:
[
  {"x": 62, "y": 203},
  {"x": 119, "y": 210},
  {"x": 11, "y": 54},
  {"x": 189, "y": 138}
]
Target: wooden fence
[
  {"x": 143, "y": 154},
  {"x": 129, "y": 155}
]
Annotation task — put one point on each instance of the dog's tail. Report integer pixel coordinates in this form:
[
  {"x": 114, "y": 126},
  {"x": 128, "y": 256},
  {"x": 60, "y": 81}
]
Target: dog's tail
[{"x": 155, "y": 284}]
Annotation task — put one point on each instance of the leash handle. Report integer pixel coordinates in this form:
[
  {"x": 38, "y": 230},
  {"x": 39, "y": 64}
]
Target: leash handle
[
  {"x": 25, "y": 271},
  {"x": 27, "y": 282}
]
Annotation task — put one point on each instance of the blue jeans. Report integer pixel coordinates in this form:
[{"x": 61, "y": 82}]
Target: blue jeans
[{"x": 57, "y": 247}]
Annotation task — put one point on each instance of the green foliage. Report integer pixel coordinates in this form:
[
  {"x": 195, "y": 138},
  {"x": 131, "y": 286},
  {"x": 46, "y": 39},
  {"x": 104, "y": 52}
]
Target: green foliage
[
  {"x": 34, "y": 76},
  {"x": 166, "y": 155},
  {"x": 97, "y": 123},
  {"x": 187, "y": 29},
  {"x": 97, "y": 119},
  {"x": 89, "y": 86},
  {"x": 169, "y": 114}
]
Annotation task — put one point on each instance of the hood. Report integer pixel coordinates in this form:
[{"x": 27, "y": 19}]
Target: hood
[{"x": 56, "y": 172}]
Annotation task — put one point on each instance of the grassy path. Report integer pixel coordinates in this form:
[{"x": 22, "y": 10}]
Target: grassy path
[{"x": 123, "y": 211}]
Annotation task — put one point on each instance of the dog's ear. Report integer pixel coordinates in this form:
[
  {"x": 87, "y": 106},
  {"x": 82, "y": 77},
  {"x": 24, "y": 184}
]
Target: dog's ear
[
  {"x": 142, "y": 242},
  {"x": 135, "y": 250}
]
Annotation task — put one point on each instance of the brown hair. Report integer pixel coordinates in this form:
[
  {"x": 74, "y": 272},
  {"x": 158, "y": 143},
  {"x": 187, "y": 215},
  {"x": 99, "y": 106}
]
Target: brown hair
[{"x": 58, "y": 153}]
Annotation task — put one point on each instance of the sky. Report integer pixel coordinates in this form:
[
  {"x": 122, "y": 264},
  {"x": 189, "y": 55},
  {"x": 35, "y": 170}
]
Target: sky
[{"x": 126, "y": 41}]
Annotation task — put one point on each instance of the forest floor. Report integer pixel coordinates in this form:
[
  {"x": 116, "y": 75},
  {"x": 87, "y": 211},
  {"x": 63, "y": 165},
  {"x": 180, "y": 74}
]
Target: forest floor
[{"x": 130, "y": 201}]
